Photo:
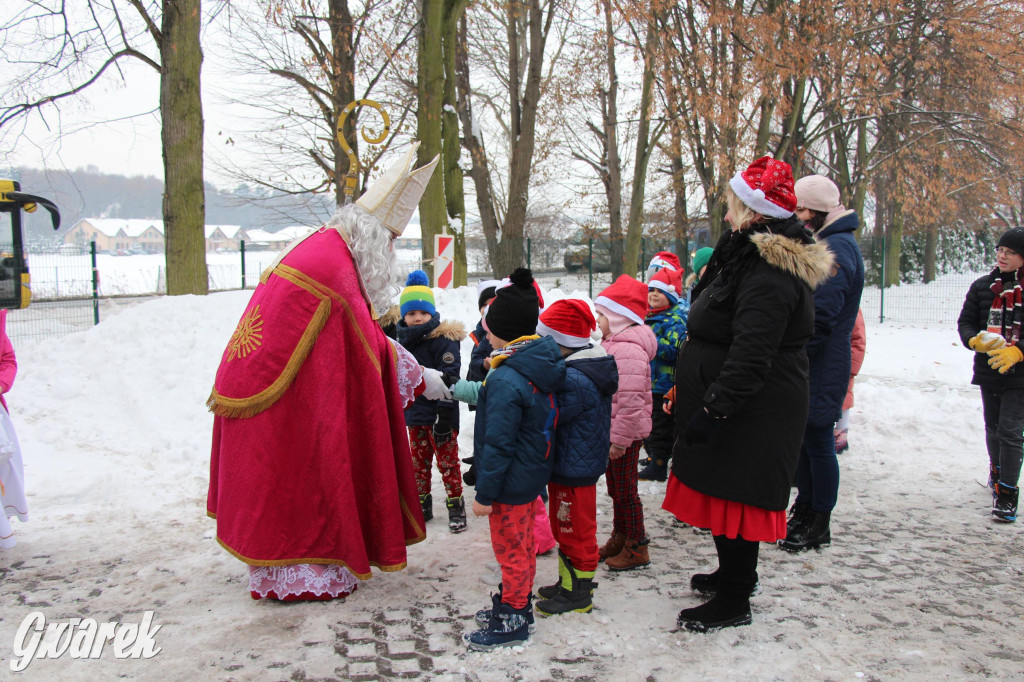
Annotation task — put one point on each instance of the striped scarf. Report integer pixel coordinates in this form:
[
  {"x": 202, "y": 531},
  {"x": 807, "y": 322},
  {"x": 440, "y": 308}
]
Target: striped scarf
[
  {"x": 502, "y": 354},
  {"x": 1004, "y": 318}
]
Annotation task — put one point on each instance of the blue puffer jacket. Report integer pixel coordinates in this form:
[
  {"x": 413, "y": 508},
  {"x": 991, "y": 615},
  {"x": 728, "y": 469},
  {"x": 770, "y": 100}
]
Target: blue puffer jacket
[
  {"x": 669, "y": 326},
  {"x": 481, "y": 349},
  {"x": 515, "y": 421},
  {"x": 433, "y": 344},
  {"x": 835, "y": 311},
  {"x": 584, "y": 417}
]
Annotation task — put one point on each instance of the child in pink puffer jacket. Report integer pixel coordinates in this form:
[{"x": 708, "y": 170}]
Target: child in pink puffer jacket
[{"x": 620, "y": 316}]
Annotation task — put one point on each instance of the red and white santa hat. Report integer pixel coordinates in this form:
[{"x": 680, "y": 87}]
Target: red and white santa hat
[
  {"x": 569, "y": 322},
  {"x": 766, "y": 187},
  {"x": 665, "y": 259},
  {"x": 668, "y": 282},
  {"x": 627, "y": 297}
]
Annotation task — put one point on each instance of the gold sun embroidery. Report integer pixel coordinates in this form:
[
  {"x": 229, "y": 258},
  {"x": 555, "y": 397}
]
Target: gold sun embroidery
[{"x": 248, "y": 335}]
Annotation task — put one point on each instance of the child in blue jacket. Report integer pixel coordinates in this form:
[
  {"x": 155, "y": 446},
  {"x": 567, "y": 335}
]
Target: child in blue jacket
[
  {"x": 433, "y": 424},
  {"x": 666, "y": 316},
  {"x": 582, "y": 443},
  {"x": 515, "y": 422}
]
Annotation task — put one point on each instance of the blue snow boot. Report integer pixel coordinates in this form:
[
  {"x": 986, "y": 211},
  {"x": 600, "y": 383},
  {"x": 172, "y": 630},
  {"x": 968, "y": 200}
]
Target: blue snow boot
[
  {"x": 483, "y": 616},
  {"x": 507, "y": 627}
]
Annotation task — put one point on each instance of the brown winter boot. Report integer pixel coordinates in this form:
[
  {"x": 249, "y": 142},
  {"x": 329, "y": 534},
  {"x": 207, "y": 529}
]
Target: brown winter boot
[
  {"x": 633, "y": 555},
  {"x": 611, "y": 548}
]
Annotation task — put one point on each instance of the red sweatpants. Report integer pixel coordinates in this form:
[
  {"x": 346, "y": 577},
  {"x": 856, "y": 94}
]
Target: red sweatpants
[
  {"x": 573, "y": 515},
  {"x": 421, "y": 442},
  {"x": 512, "y": 540}
]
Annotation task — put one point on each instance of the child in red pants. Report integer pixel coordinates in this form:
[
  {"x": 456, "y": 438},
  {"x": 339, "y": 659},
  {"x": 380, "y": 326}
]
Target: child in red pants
[
  {"x": 433, "y": 424},
  {"x": 515, "y": 423},
  {"x": 581, "y": 453}
]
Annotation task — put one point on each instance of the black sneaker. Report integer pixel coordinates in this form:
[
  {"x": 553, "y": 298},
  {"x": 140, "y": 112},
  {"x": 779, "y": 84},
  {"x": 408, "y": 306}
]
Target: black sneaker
[{"x": 1004, "y": 504}]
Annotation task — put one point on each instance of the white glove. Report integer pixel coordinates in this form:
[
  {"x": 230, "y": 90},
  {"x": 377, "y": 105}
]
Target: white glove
[{"x": 434, "y": 386}]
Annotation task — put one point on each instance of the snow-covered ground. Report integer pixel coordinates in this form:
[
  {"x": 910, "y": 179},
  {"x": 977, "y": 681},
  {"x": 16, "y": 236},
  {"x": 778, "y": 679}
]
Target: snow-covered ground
[{"x": 919, "y": 584}]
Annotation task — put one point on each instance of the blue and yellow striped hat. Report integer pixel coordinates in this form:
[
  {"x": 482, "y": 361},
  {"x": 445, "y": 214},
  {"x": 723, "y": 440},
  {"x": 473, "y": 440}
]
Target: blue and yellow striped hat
[{"x": 417, "y": 294}]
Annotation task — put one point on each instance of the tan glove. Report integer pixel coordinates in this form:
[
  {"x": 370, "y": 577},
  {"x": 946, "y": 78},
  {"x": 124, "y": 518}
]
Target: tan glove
[
  {"x": 1004, "y": 358},
  {"x": 983, "y": 342}
]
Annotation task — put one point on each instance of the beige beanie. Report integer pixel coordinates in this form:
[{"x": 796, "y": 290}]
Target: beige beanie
[{"x": 817, "y": 193}]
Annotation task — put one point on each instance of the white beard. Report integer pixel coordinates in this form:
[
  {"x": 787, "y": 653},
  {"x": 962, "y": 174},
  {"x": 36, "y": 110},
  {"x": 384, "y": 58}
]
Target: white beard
[{"x": 373, "y": 252}]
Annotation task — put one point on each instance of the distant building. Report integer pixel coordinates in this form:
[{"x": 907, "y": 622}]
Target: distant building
[{"x": 119, "y": 235}]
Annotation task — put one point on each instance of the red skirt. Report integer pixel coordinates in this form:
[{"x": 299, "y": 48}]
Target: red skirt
[{"x": 723, "y": 517}]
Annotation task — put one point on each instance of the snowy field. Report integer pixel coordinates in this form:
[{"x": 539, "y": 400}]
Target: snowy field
[{"x": 918, "y": 585}]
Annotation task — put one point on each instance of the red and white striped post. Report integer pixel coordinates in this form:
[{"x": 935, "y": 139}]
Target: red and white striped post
[{"x": 444, "y": 261}]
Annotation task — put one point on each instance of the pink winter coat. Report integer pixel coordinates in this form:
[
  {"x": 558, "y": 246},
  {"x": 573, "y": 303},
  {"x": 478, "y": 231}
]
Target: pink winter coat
[
  {"x": 633, "y": 349},
  {"x": 858, "y": 343}
]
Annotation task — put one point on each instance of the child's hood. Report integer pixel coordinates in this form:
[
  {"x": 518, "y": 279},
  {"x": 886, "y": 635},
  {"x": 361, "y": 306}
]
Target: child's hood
[
  {"x": 540, "y": 362},
  {"x": 598, "y": 366},
  {"x": 641, "y": 335},
  {"x": 452, "y": 330}
]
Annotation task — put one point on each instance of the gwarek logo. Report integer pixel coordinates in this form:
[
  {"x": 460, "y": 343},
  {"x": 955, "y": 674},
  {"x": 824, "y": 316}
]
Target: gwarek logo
[{"x": 81, "y": 638}]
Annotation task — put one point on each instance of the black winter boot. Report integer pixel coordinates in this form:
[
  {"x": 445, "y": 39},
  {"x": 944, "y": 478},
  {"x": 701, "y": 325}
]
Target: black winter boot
[
  {"x": 575, "y": 591},
  {"x": 551, "y": 591},
  {"x": 812, "y": 535},
  {"x": 708, "y": 584},
  {"x": 456, "y": 514},
  {"x": 427, "y": 503},
  {"x": 737, "y": 577},
  {"x": 798, "y": 515},
  {"x": 1004, "y": 504},
  {"x": 656, "y": 470}
]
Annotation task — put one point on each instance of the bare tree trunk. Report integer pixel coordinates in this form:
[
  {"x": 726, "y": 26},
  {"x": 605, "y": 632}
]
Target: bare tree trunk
[
  {"x": 610, "y": 137},
  {"x": 644, "y": 147},
  {"x": 343, "y": 91},
  {"x": 479, "y": 172},
  {"x": 430, "y": 86},
  {"x": 181, "y": 111},
  {"x": 455, "y": 199},
  {"x": 931, "y": 247}
]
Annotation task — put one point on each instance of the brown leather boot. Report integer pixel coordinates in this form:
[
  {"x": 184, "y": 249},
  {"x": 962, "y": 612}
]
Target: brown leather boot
[
  {"x": 614, "y": 545},
  {"x": 633, "y": 555}
]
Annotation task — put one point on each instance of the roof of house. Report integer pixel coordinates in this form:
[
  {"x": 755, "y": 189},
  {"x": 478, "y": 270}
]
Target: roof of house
[{"x": 135, "y": 227}]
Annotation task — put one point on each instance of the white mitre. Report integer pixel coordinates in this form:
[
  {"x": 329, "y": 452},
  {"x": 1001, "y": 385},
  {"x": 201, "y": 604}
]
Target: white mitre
[{"x": 394, "y": 196}]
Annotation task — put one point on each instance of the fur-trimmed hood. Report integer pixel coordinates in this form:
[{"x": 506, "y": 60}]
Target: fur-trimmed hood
[
  {"x": 391, "y": 317},
  {"x": 811, "y": 263},
  {"x": 452, "y": 330}
]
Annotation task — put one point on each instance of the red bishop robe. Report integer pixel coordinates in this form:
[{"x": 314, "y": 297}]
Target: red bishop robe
[{"x": 310, "y": 460}]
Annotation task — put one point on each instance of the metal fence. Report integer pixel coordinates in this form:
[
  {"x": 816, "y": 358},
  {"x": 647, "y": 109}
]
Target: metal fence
[
  {"x": 70, "y": 285},
  {"x": 64, "y": 295}
]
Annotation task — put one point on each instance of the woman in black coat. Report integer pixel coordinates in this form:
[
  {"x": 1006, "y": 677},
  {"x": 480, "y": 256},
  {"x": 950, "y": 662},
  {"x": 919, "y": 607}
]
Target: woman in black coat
[
  {"x": 742, "y": 387},
  {"x": 990, "y": 325}
]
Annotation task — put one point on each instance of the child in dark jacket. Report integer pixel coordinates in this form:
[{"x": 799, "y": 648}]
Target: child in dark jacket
[
  {"x": 433, "y": 424},
  {"x": 515, "y": 421},
  {"x": 582, "y": 441},
  {"x": 667, "y": 311}
]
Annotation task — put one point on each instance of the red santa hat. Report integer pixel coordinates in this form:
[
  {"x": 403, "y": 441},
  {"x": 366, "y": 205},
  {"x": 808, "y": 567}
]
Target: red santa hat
[
  {"x": 627, "y": 297},
  {"x": 665, "y": 259},
  {"x": 766, "y": 187},
  {"x": 668, "y": 282},
  {"x": 569, "y": 322}
]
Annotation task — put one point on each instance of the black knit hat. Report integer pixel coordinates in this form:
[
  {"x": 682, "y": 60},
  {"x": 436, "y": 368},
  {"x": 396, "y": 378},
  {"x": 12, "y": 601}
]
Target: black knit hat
[
  {"x": 515, "y": 308},
  {"x": 1013, "y": 239},
  {"x": 486, "y": 294}
]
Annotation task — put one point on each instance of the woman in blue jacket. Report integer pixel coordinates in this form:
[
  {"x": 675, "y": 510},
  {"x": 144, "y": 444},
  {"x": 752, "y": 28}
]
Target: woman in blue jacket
[{"x": 836, "y": 302}]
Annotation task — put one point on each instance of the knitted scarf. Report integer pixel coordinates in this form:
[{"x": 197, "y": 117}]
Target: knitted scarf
[
  {"x": 1004, "y": 317},
  {"x": 502, "y": 354}
]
